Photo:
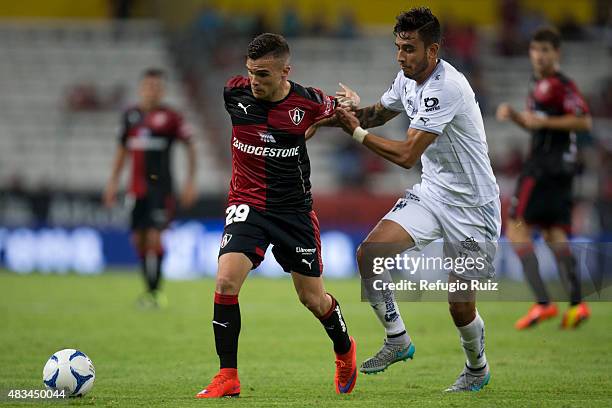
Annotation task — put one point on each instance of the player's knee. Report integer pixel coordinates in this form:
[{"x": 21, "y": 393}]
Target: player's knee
[
  {"x": 226, "y": 286},
  {"x": 361, "y": 259},
  {"x": 312, "y": 301}
]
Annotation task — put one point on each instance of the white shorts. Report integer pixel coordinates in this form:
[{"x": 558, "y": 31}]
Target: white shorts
[{"x": 466, "y": 231}]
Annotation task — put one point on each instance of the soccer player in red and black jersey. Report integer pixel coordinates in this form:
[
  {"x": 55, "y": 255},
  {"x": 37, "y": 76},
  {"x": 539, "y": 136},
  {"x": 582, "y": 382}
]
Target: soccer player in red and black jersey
[
  {"x": 148, "y": 132},
  {"x": 543, "y": 199},
  {"x": 270, "y": 204}
]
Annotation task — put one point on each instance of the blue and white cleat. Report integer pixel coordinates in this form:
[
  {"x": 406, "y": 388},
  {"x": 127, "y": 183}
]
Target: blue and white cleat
[
  {"x": 387, "y": 355},
  {"x": 471, "y": 380}
]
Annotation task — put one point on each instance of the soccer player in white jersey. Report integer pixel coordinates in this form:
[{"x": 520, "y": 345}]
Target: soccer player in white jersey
[{"x": 457, "y": 200}]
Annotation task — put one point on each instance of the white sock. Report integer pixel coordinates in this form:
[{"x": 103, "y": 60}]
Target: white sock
[
  {"x": 473, "y": 342},
  {"x": 384, "y": 305}
]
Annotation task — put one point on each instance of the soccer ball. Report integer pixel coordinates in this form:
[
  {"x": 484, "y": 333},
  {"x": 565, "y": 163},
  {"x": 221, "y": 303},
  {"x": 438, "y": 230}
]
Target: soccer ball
[{"x": 71, "y": 371}]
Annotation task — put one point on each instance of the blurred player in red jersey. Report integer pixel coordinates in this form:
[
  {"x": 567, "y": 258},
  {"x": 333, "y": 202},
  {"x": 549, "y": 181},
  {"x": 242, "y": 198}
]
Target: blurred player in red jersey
[
  {"x": 147, "y": 134},
  {"x": 543, "y": 199},
  {"x": 270, "y": 204}
]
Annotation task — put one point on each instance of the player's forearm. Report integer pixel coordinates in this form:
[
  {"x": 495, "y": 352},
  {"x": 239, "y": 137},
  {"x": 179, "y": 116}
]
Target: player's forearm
[
  {"x": 192, "y": 164},
  {"x": 517, "y": 118},
  {"x": 395, "y": 151},
  {"x": 375, "y": 115},
  {"x": 118, "y": 164},
  {"x": 568, "y": 123}
]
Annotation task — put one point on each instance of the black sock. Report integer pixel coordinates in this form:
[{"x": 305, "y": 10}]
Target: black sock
[
  {"x": 151, "y": 269},
  {"x": 531, "y": 269},
  {"x": 226, "y": 325},
  {"x": 336, "y": 329},
  {"x": 569, "y": 274}
]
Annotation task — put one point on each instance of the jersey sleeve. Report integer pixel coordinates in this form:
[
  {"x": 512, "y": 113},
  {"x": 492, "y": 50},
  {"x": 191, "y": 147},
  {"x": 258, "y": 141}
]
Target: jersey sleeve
[
  {"x": 392, "y": 98},
  {"x": 573, "y": 101},
  {"x": 437, "y": 108},
  {"x": 326, "y": 105}
]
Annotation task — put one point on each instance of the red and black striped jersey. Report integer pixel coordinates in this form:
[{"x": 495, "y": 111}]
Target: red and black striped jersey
[
  {"x": 148, "y": 137},
  {"x": 270, "y": 164},
  {"x": 557, "y": 95}
]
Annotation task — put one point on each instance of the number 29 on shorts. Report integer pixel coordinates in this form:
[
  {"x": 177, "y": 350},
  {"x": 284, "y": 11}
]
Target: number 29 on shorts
[{"x": 236, "y": 213}]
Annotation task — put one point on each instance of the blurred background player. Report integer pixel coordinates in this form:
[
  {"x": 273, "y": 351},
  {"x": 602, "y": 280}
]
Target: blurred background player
[
  {"x": 543, "y": 198},
  {"x": 270, "y": 203},
  {"x": 457, "y": 200},
  {"x": 147, "y": 134}
]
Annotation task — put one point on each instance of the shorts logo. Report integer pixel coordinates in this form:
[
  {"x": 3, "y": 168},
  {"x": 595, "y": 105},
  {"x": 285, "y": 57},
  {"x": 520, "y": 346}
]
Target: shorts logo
[
  {"x": 424, "y": 120},
  {"x": 307, "y": 251},
  {"x": 470, "y": 244},
  {"x": 296, "y": 115},
  {"x": 308, "y": 263},
  {"x": 225, "y": 240}
]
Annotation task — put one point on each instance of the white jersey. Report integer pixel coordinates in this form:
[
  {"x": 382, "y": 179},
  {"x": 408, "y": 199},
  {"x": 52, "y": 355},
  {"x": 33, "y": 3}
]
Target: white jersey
[{"x": 456, "y": 166}]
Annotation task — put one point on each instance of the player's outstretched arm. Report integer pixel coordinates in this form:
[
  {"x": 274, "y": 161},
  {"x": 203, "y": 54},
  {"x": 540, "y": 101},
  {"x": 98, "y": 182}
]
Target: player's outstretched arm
[
  {"x": 567, "y": 122},
  {"x": 404, "y": 153},
  {"x": 347, "y": 99},
  {"x": 189, "y": 194},
  {"x": 110, "y": 193}
]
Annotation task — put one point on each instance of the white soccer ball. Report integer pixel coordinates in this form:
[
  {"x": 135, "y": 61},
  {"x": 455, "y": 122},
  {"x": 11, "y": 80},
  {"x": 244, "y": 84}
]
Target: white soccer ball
[{"x": 71, "y": 371}]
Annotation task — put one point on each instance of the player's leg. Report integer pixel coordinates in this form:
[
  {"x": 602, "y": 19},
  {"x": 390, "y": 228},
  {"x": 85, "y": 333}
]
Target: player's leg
[
  {"x": 470, "y": 236},
  {"x": 153, "y": 259},
  {"x": 243, "y": 246},
  {"x": 409, "y": 222},
  {"x": 471, "y": 328},
  {"x": 297, "y": 248},
  {"x": 232, "y": 271},
  {"x": 326, "y": 308},
  {"x": 520, "y": 235},
  {"x": 386, "y": 240},
  {"x": 529, "y": 205},
  {"x": 578, "y": 312}
]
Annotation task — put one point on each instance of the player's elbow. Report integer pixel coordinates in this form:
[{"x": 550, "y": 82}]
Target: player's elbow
[{"x": 407, "y": 158}]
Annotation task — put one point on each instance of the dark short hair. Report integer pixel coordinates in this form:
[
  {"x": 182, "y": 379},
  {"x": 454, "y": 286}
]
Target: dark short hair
[
  {"x": 268, "y": 43},
  {"x": 421, "y": 20},
  {"x": 549, "y": 35},
  {"x": 154, "y": 73}
]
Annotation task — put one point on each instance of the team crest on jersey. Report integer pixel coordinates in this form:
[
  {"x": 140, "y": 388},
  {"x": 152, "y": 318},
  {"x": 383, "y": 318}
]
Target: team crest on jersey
[
  {"x": 133, "y": 117},
  {"x": 296, "y": 115},
  {"x": 225, "y": 240}
]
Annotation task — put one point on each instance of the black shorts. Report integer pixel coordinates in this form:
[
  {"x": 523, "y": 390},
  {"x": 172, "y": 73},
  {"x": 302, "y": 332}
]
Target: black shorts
[
  {"x": 153, "y": 211},
  {"x": 544, "y": 201},
  {"x": 295, "y": 238}
]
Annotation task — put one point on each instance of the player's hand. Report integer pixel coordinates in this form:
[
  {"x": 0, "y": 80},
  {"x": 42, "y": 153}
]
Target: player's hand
[
  {"x": 532, "y": 120},
  {"x": 504, "y": 112},
  {"x": 347, "y": 98},
  {"x": 110, "y": 195},
  {"x": 347, "y": 120},
  {"x": 188, "y": 196}
]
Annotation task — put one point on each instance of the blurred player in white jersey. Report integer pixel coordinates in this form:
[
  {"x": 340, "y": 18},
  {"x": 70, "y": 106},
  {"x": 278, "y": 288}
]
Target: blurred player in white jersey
[{"x": 457, "y": 200}]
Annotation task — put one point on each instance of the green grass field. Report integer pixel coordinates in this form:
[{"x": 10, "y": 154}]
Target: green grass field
[{"x": 162, "y": 358}]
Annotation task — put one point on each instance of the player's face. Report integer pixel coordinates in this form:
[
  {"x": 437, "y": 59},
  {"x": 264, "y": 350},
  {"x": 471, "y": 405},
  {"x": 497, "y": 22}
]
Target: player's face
[
  {"x": 412, "y": 55},
  {"x": 151, "y": 90},
  {"x": 267, "y": 75},
  {"x": 544, "y": 57}
]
